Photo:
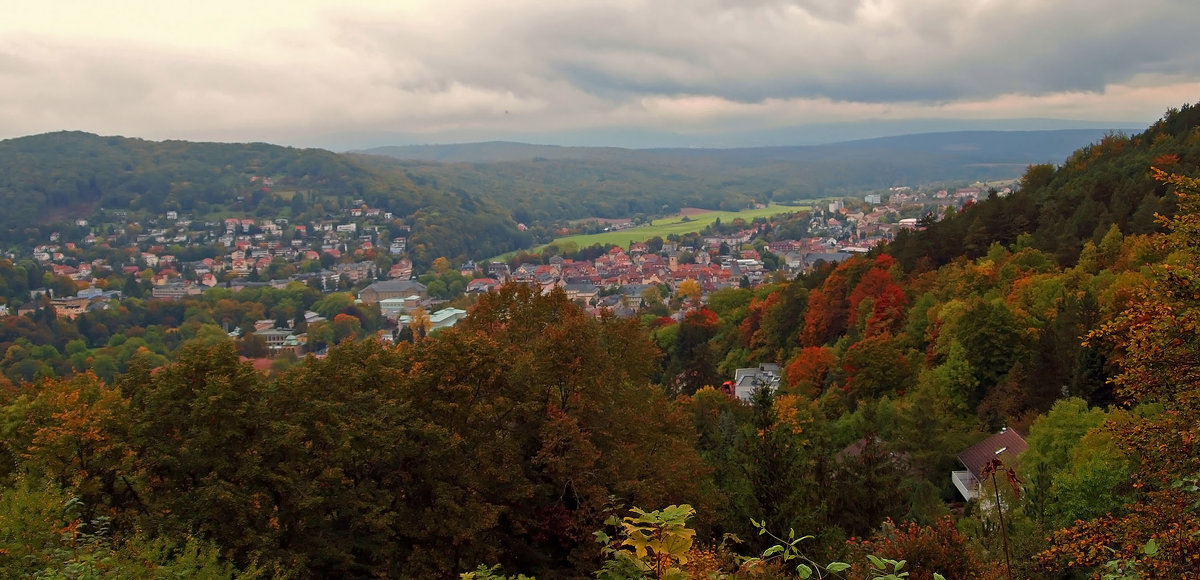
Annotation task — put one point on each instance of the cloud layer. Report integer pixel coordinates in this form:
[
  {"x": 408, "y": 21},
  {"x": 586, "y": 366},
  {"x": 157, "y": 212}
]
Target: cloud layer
[{"x": 299, "y": 72}]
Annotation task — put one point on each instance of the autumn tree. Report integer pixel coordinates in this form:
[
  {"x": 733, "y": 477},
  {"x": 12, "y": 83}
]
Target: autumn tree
[
  {"x": 875, "y": 366},
  {"x": 1159, "y": 359},
  {"x": 692, "y": 365},
  {"x": 74, "y": 433},
  {"x": 419, "y": 323},
  {"x": 927, "y": 550},
  {"x": 345, "y": 327},
  {"x": 809, "y": 373},
  {"x": 689, "y": 290}
]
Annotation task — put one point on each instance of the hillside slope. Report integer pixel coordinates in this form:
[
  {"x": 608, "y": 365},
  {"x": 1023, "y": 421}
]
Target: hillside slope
[
  {"x": 1065, "y": 205},
  {"x": 49, "y": 180}
]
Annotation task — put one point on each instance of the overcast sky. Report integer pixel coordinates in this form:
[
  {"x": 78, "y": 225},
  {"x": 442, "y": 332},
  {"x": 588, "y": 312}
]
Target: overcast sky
[{"x": 357, "y": 73}]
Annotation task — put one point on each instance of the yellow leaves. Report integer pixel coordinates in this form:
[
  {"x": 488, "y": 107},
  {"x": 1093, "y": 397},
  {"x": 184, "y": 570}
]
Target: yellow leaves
[
  {"x": 789, "y": 408},
  {"x": 689, "y": 289},
  {"x": 660, "y": 540}
]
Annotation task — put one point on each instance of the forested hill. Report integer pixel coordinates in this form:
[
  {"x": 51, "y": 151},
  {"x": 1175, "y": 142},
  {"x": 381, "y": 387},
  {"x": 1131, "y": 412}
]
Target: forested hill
[
  {"x": 73, "y": 171},
  {"x": 542, "y": 182},
  {"x": 47, "y": 181},
  {"x": 1064, "y": 206}
]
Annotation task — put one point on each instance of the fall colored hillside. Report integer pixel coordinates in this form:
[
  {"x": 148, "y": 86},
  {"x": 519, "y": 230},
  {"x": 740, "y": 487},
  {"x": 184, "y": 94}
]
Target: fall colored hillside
[{"x": 501, "y": 445}]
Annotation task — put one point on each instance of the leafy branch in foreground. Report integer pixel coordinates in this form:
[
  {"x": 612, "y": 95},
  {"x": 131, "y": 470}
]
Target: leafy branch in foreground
[
  {"x": 786, "y": 551},
  {"x": 659, "y": 545},
  {"x": 649, "y": 544}
]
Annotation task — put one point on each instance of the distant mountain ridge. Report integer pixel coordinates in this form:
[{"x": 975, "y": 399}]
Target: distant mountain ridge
[
  {"x": 544, "y": 183},
  {"x": 985, "y": 146}
]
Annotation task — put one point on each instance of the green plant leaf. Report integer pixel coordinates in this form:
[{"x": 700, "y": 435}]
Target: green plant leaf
[
  {"x": 837, "y": 566},
  {"x": 1151, "y": 548}
]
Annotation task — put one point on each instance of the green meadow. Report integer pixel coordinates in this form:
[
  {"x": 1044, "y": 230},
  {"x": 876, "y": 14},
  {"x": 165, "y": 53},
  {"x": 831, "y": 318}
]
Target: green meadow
[{"x": 675, "y": 224}]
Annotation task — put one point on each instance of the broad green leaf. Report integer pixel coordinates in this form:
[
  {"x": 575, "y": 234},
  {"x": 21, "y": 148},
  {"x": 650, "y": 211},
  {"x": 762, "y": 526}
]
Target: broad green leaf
[{"x": 1151, "y": 548}]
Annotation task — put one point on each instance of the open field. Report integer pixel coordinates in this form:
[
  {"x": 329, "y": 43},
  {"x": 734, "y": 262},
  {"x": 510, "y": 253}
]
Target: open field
[{"x": 674, "y": 224}]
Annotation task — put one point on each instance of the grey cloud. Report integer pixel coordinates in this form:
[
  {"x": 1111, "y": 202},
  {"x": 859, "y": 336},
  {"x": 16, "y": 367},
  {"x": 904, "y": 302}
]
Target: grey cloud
[
  {"x": 930, "y": 51},
  {"x": 837, "y": 10},
  {"x": 567, "y": 65}
]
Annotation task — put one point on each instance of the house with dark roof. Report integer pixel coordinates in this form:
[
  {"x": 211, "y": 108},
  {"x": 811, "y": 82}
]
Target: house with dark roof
[
  {"x": 1005, "y": 445},
  {"x": 586, "y": 293},
  {"x": 391, "y": 289}
]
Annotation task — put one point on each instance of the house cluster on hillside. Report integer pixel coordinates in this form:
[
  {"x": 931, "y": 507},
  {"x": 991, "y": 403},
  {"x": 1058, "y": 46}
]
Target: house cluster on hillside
[{"x": 329, "y": 254}]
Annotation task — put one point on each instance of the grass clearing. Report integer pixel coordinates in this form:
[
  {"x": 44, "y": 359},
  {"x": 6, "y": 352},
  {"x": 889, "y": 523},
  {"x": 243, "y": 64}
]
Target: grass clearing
[{"x": 663, "y": 227}]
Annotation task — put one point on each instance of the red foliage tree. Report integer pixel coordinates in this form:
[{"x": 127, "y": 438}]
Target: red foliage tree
[{"x": 810, "y": 369}]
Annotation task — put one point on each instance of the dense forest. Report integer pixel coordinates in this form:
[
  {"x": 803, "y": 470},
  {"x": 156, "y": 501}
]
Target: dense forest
[{"x": 535, "y": 439}]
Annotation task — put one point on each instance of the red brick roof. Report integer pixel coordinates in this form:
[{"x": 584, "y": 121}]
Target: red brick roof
[{"x": 1007, "y": 445}]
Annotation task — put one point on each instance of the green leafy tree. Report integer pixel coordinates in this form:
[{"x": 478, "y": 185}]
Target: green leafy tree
[{"x": 195, "y": 427}]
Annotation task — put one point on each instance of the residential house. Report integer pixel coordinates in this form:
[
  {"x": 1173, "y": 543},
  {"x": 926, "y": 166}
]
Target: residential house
[
  {"x": 481, "y": 285},
  {"x": 746, "y": 381},
  {"x": 1005, "y": 445}
]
